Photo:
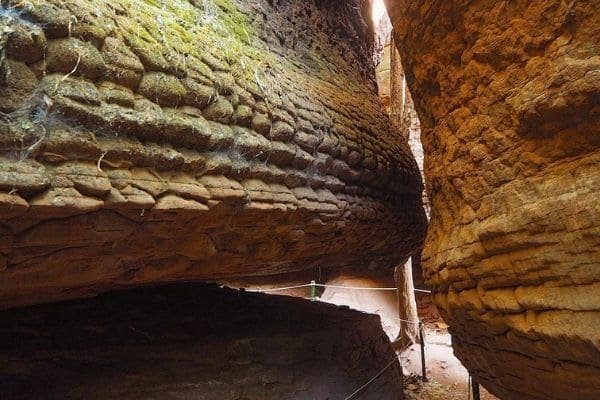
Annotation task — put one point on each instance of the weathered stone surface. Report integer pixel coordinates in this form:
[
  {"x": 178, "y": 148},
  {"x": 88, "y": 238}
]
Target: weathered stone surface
[
  {"x": 508, "y": 95},
  {"x": 156, "y": 131},
  {"x": 123, "y": 66},
  {"x": 75, "y": 56},
  {"x": 194, "y": 342},
  {"x": 163, "y": 89},
  {"x": 18, "y": 82},
  {"x": 26, "y": 45}
]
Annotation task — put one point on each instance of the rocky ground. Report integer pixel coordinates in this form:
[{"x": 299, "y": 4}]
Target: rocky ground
[{"x": 447, "y": 377}]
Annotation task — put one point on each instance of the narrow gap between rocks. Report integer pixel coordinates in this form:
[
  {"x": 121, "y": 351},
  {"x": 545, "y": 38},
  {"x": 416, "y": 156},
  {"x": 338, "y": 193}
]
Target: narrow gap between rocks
[{"x": 225, "y": 199}]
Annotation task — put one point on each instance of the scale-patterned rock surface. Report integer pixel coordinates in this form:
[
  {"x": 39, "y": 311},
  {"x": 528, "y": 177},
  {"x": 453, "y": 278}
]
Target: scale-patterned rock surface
[
  {"x": 508, "y": 93},
  {"x": 151, "y": 141}
]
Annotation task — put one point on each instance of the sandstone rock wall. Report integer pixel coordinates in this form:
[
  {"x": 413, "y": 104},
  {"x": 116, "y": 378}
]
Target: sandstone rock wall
[
  {"x": 149, "y": 141},
  {"x": 508, "y": 94},
  {"x": 193, "y": 341},
  {"x": 395, "y": 95}
]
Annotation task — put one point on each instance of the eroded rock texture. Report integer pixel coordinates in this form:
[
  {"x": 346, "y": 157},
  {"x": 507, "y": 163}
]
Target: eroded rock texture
[
  {"x": 193, "y": 341},
  {"x": 148, "y": 141},
  {"x": 508, "y": 96}
]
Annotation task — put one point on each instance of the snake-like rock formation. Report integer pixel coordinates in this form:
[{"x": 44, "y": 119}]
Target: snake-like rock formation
[
  {"x": 508, "y": 93},
  {"x": 154, "y": 141}
]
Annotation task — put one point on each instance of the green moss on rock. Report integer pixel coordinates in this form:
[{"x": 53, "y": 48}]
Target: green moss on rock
[
  {"x": 163, "y": 89},
  {"x": 220, "y": 110}
]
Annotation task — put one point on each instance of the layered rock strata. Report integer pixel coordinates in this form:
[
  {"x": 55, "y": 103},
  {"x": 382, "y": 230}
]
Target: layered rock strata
[
  {"x": 194, "y": 341},
  {"x": 508, "y": 96},
  {"x": 149, "y": 141}
]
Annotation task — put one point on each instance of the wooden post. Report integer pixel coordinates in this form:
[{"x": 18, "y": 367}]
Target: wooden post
[
  {"x": 422, "y": 337},
  {"x": 475, "y": 386},
  {"x": 407, "y": 306}
]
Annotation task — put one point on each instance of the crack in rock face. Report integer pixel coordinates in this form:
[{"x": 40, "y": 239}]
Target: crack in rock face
[
  {"x": 152, "y": 141},
  {"x": 508, "y": 96}
]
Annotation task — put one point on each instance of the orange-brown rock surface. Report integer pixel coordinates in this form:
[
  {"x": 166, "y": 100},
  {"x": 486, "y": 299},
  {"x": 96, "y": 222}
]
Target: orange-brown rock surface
[
  {"x": 508, "y": 95},
  {"x": 152, "y": 141}
]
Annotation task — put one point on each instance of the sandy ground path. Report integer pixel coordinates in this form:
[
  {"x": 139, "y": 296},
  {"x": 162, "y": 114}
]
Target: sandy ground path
[{"x": 448, "y": 379}]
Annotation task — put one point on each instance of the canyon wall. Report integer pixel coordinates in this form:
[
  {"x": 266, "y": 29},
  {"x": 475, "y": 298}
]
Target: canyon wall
[
  {"x": 508, "y": 94},
  {"x": 154, "y": 141},
  {"x": 396, "y": 97},
  {"x": 194, "y": 341}
]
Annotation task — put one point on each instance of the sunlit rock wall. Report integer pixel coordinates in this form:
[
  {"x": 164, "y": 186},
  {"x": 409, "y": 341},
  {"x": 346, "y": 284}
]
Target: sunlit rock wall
[
  {"x": 150, "y": 141},
  {"x": 508, "y": 95}
]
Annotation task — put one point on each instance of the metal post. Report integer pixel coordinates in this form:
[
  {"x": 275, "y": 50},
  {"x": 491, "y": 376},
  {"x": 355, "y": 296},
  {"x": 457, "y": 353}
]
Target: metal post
[
  {"x": 475, "y": 387},
  {"x": 313, "y": 291},
  {"x": 422, "y": 337}
]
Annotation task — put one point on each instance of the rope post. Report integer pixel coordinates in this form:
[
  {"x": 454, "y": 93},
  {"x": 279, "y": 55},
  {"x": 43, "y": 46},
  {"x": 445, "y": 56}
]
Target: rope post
[
  {"x": 475, "y": 386},
  {"x": 313, "y": 290},
  {"x": 422, "y": 337}
]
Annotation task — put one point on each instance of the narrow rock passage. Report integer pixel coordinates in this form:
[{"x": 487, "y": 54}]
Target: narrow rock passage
[
  {"x": 150, "y": 142},
  {"x": 448, "y": 378}
]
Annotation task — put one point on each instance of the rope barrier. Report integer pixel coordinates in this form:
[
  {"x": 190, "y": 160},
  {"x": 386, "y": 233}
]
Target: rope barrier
[
  {"x": 331, "y": 286},
  {"x": 353, "y": 287},
  {"x": 279, "y": 288},
  {"x": 366, "y": 288},
  {"x": 360, "y": 389},
  {"x": 404, "y": 320},
  {"x": 338, "y": 287},
  {"x": 422, "y": 290}
]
